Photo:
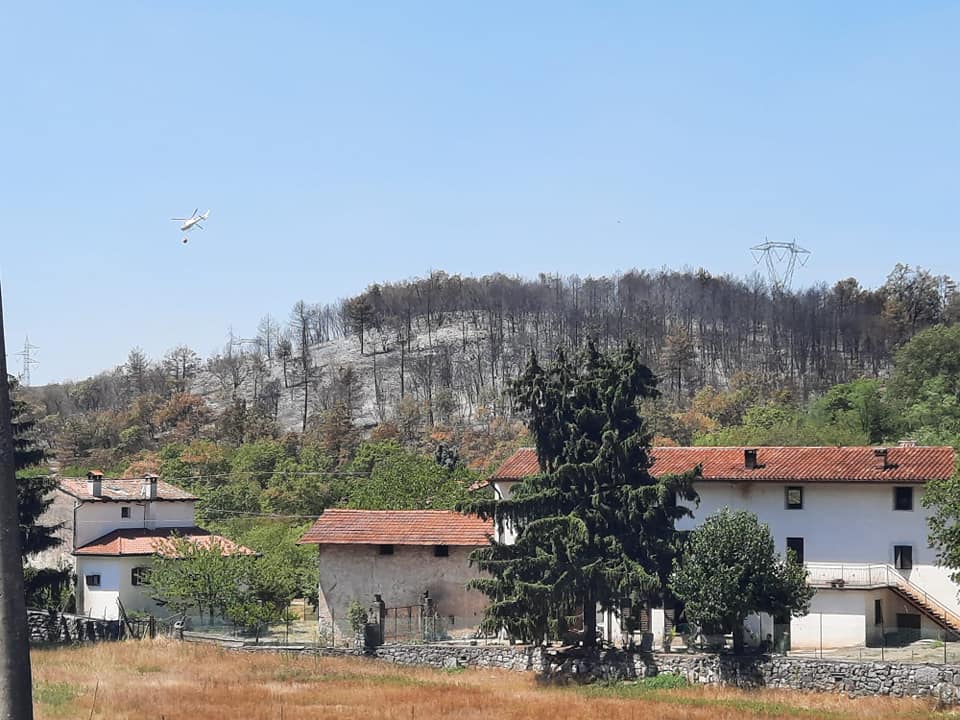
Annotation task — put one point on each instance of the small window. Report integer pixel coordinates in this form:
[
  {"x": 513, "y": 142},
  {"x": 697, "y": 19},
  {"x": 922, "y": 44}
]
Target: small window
[
  {"x": 903, "y": 557},
  {"x": 794, "y": 498},
  {"x": 441, "y": 550},
  {"x": 93, "y": 580},
  {"x": 878, "y": 612},
  {"x": 903, "y": 498},
  {"x": 795, "y": 546},
  {"x": 386, "y": 549},
  {"x": 124, "y": 512},
  {"x": 139, "y": 576}
]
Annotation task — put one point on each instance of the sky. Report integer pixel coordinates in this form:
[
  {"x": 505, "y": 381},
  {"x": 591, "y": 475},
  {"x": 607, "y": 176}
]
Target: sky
[{"x": 342, "y": 144}]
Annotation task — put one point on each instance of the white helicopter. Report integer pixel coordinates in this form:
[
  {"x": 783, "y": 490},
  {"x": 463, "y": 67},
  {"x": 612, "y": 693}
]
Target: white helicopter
[{"x": 189, "y": 223}]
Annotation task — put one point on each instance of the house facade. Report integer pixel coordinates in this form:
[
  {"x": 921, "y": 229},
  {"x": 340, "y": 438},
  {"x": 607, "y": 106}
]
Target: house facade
[
  {"x": 853, "y": 515},
  {"x": 117, "y": 526},
  {"x": 406, "y": 558}
]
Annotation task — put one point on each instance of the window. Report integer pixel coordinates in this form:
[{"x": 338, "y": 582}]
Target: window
[
  {"x": 903, "y": 557},
  {"x": 878, "y": 612},
  {"x": 124, "y": 512},
  {"x": 795, "y": 545},
  {"x": 794, "y": 497},
  {"x": 441, "y": 550},
  {"x": 903, "y": 498},
  {"x": 386, "y": 549},
  {"x": 93, "y": 580},
  {"x": 139, "y": 576}
]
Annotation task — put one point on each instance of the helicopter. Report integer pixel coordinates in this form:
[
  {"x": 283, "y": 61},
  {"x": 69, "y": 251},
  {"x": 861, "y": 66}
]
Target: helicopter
[{"x": 189, "y": 223}]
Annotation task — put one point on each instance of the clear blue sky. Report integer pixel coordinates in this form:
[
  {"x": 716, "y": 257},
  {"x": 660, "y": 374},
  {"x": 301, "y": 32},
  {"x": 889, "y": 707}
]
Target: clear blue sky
[{"x": 340, "y": 144}]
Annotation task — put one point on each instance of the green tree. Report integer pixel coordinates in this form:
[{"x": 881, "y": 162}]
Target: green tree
[
  {"x": 188, "y": 576},
  {"x": 386, "y": 476},
  {"x": 925, "y": 387},
  {"x": 942, "y": 498},
  {"x": 34, "y": 483},
  {"x": 730, "y": 570},
  {"x": 860, "y": 405},
  {"x": 594, "y": 527}
]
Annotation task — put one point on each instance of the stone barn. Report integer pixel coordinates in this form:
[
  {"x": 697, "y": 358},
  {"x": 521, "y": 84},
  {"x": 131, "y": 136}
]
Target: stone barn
[{"x": 411, "y": 559}]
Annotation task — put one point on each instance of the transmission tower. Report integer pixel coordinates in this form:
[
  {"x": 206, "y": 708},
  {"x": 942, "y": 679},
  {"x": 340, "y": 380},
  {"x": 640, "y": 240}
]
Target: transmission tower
[
  {"x": 27, "y": 361},
  {"x": 781, "y": 260}
]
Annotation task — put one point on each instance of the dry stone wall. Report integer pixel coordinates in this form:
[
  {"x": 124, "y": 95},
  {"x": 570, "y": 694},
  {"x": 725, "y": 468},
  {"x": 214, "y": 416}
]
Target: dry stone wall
[
  {"x": 941, "y": 682},
  {"x": 55, "y": 627},
  {"x": 851, "y": 678}
]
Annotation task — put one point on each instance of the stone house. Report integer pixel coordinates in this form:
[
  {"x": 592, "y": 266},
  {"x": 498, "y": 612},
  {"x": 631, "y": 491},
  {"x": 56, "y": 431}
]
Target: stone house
[{"x": 398, "y": 555}]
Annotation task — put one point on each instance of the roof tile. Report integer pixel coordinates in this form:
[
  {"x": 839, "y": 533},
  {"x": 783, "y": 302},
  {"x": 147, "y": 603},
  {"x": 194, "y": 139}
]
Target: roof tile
[
  {"x": 398, "y": 527},
  {"x": 119, "y": 489},
  {"x": 141, "y": 541},
  {"x": 915, "y": 464}
]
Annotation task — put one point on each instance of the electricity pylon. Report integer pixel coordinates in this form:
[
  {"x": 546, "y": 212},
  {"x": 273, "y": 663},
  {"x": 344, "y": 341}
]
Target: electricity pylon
[{"x": 781, "y": 260}]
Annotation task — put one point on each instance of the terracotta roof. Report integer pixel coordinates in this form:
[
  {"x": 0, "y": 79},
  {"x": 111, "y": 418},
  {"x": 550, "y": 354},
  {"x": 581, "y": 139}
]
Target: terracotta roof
[
  {"x": 398, "y": 527},
  {"x": 140, "y": 541},
  {"x": 785, "y": 464},
  {"x": 523, "y": 463},
  {"x": 121, "y": 489}
]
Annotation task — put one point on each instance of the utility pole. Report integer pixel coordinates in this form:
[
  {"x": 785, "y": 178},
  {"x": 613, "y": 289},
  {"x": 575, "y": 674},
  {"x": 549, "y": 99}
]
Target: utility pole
[{"x": 16, "y": 693}]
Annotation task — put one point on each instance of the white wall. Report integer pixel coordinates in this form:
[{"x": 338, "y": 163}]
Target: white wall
[
  {"x": 840, "y": 615},
  {"x": 358, "y": 572},
  {"x": 115, "y": 582},
  {"x": 839, "y": 523},
  {"x": 96, "y": 519},
  {"x": 503, "y": 490}
]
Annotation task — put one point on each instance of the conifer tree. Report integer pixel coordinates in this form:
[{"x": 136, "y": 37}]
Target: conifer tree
[
  {"x": 33, "y": 488},
  {"x": 594, "y": 527}
]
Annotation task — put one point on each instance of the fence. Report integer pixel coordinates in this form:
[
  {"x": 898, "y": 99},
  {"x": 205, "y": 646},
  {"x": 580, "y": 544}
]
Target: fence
[{"x": 415, "y": 623}]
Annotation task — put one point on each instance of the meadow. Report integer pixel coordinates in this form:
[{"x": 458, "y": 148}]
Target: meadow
[{"x": 166, "y": 680}]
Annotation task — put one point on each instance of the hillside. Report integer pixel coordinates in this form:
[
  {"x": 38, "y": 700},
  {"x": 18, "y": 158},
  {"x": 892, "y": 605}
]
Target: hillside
[{"x": 439, "y": 351}]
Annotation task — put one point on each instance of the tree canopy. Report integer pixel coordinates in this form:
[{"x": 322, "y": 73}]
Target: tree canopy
[
  {"x": 731, "y": 570},
  {"x": 594, "y": 527},
  {"x": 34, "y": 483}
]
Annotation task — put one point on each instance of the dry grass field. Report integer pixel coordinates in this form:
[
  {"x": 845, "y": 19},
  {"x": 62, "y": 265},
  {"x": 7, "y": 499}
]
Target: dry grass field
[{"x": 175, "y": 681}]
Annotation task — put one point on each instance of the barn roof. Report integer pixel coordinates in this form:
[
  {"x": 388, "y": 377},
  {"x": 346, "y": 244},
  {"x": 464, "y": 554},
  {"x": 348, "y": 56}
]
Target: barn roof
[{"x": 398, "y": 527}]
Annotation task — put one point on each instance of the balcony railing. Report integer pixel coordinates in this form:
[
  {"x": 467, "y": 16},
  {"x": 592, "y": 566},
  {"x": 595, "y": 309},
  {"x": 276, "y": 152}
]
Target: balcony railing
[{"x": 867, "y": 576}]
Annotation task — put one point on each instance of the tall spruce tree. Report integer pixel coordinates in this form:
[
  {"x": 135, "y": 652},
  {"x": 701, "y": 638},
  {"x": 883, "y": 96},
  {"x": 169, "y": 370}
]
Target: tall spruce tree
[
  {"x": 594, "y": 527},
  {"x": 33, "y": 485}
]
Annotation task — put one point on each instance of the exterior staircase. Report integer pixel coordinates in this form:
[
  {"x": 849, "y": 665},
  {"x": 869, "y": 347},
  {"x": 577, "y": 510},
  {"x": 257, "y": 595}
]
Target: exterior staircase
[
  {"x": 930, "y": 607},
  {"x": 880, "y": 576}
]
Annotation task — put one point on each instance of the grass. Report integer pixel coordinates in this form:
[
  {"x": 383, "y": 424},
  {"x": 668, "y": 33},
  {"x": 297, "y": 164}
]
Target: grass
[
  {"x": 54, "y": 697},
  {"x": 168, "y": 680}
]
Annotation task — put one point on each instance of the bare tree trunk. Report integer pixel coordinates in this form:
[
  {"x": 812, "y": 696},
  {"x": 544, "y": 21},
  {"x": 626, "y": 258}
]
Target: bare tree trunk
[
  {"x": 589, "y": 619},
  {"x": 16, "y": 694}
]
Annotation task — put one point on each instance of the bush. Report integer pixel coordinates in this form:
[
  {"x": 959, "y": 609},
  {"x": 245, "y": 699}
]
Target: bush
[{"x": 357, "y": 616}]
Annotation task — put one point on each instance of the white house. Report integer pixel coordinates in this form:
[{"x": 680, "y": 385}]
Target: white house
[
  {"x": 118, "y": 525},
  {"x": 853, "y": 515},
  {"x": 398, "y": 555}
]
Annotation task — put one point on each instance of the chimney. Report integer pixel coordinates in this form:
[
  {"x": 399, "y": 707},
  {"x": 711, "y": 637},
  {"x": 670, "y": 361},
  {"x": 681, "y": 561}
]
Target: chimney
[
  {"x": 882, "y": 454},
  {"x": 750, "y": 458},
  {"x": 95, "y": 483},
  {"x": 150, "y": 486}
]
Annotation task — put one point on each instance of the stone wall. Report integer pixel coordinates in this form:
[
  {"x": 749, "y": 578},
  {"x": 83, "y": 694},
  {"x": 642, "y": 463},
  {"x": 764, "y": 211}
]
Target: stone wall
[
  {"x": 504, "y": 657},
  {"x": 55, "y": 627},
  {"x": 941, "y": 682},
  {"x": 851, "y": 678}
]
